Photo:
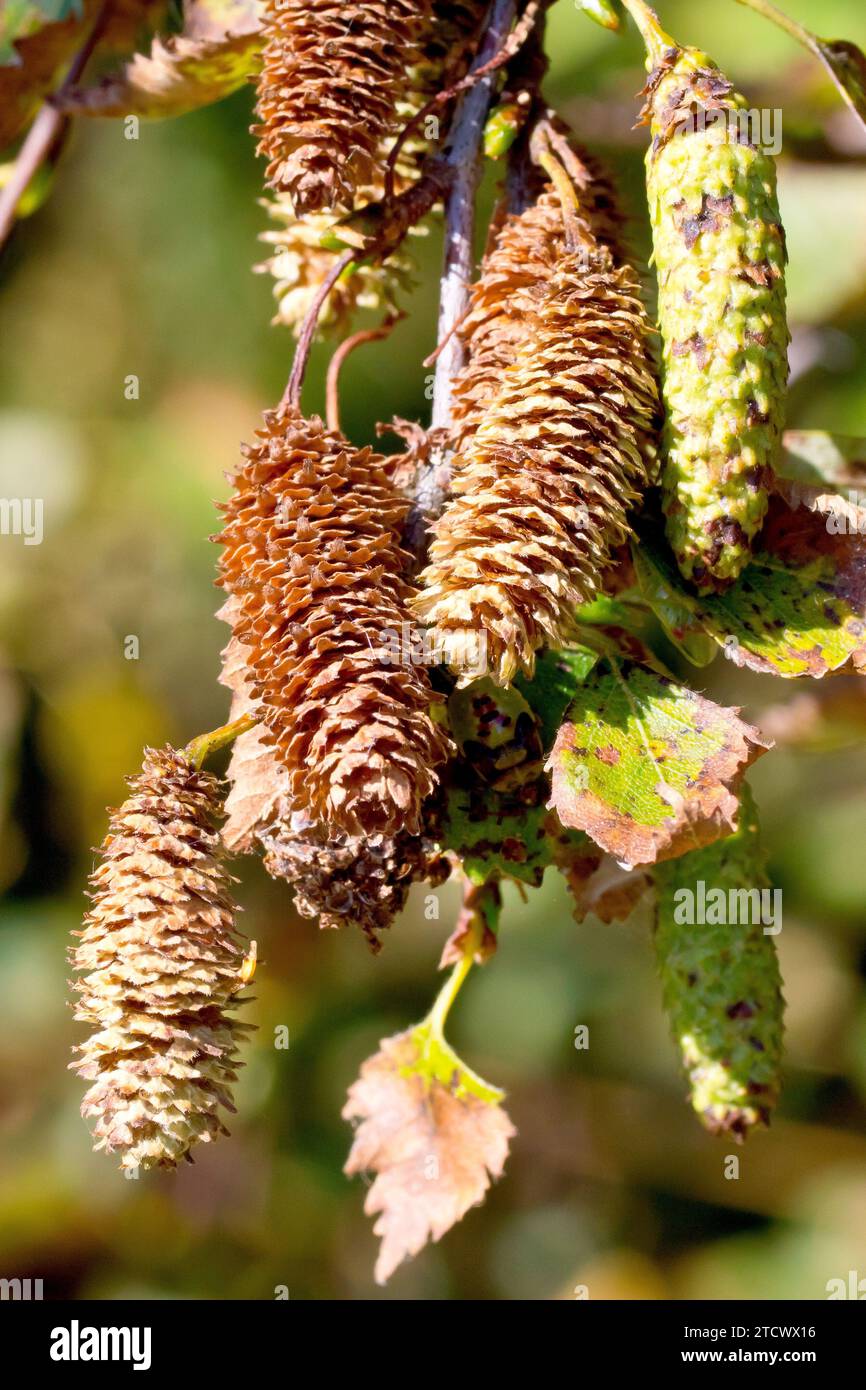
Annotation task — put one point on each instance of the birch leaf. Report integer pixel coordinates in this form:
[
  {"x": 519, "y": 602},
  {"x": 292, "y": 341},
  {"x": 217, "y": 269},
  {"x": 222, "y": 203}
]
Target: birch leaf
[
  {"x": 799, "y": 608},
  {"x": 434, "y": 1135},
  {"x": 181, "y": 73},
  {"x": 647, "y": 768}
]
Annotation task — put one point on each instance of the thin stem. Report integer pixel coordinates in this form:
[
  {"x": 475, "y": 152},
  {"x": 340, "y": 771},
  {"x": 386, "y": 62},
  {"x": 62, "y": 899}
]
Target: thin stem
[
  {"x": 464, "y": 154},
  {"x": 777, "y": 16},
  {"x": 542, "y": 153},
  {"x": 292, "y": 395},
  {"x": 199, "y": 749},
  {"x": 656, "y": 40},
  {"x": 438, "y": 1015},
  {"x": 510, "y": 46},
  {"x": 332, "y": 384},
  {"x": 47, "y": 129},
  {"x": 482, "y": 903}
]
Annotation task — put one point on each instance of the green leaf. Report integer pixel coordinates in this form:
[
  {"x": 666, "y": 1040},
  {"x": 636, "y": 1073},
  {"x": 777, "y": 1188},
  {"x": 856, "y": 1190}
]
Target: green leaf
[
  {"x": 672, "y": 608},
  {"x": 647, "y": 768},
  {"x": 799, "y": 608},
  {"x": 551, "y": 690},
  {"x": 181, "y": 73},
  {"x": 720, "y": 976}
]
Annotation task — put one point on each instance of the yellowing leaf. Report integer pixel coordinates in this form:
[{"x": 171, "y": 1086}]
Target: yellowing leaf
[
  {"x": 181, "y": 73},
  {"x": 32, "y": 53},
  {"x": 799, "y": 608},
  {"x": 432, "y": 1132},
  {"x": 647, "y": 768},
  {"x": 601, "y": 887}
]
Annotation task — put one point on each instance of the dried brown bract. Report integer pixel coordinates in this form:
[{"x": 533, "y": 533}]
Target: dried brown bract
[
  {"x": 160, "y": 964},
  {"x": 312, "y": 552}
]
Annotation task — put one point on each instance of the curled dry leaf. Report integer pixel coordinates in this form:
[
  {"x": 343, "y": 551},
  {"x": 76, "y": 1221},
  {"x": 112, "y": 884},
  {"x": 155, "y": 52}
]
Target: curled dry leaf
[
  {"x": 476, "y": 926},
  {"x": 259, "y": 785},
  {"x": 433, "y": 1133},
  {"x": 181, "y": 73},
  {"x": 826, "y": 473},
  {"x": 599, "y": 886},
  {"x": 647, "y": 768}
]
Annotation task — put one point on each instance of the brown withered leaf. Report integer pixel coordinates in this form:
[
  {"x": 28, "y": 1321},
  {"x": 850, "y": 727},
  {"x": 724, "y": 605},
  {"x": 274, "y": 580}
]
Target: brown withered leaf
[
  {"x": 476, "y": 926},
  {"x": 433, "y": 1133},
  {"x": 608, "y": 891},
  {"x": 181, "y": 73},
  {"x": 647, "y": 768},
  {"x": 259, "y": 786}
]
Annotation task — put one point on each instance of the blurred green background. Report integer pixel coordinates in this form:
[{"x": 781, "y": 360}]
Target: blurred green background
[{"x": 139, "y": 263}]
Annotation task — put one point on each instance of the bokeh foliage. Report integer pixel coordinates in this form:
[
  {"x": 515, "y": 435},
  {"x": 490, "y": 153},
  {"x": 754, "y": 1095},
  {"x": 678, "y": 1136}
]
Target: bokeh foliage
[{"x": 139, "y": 264}]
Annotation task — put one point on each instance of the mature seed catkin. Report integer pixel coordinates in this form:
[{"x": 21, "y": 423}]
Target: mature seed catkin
[
  {"x": 343, "y": 881},
  {"x": 720, "y": 982},
  {"x": 312, "y": 551},
  {"x": 515, "y": 274},
  {"x": 299, "y": 265},
  {"x": 160, "y": 963},
  {"x": 542, "y": 488},
  {"x": 350, "y": 881},
  {"x": 333, "y": 74},
  {"x": 719, "y": 252}
]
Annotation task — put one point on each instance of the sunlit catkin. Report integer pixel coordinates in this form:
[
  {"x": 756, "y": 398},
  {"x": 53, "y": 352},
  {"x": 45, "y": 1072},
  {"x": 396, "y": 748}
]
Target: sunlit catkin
[
  {"x": 542, "y": 488},
  {"x": 312, "y": 552},
  {"x": 160, "y": 964}
]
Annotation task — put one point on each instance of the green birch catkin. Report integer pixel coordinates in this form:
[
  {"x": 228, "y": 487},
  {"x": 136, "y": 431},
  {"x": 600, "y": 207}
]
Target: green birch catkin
[
  {"x": 720, "y": 977},
  {"x": 719, "y": 252}
]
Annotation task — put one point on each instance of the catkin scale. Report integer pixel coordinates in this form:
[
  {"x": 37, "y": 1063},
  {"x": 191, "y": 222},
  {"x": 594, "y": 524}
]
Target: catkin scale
[
  {"x": 312, "y": 552},
  {"x": 719, "y": 252},
  {"x": 333, "y": 74},
  {"x": 159, "y": 965},
  {"x": 541, "y": 488},
  {"x": 524, "y": 253},
  {"x": 721, "y": 985}
]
